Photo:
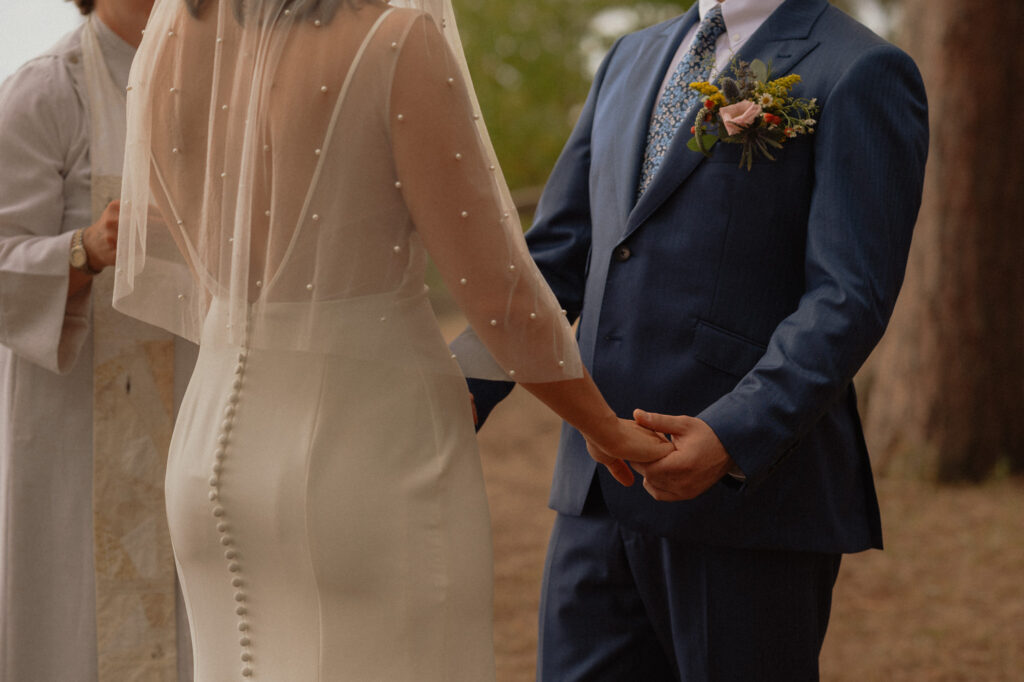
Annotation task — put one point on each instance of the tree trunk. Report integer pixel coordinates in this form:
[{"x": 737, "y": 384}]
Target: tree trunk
[{"x": 944, "y": 391}]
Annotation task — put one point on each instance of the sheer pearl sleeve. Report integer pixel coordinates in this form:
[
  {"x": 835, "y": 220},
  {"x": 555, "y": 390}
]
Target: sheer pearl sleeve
[{"x": 461, "y": 209}]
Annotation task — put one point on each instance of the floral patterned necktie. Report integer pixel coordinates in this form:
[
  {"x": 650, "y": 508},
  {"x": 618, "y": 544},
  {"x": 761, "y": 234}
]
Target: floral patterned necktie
[{"x": 678, "y": 97}]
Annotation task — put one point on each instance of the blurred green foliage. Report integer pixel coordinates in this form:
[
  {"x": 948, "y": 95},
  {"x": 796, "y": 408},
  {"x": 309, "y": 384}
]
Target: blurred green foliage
[{"x": 532, "y": 63}]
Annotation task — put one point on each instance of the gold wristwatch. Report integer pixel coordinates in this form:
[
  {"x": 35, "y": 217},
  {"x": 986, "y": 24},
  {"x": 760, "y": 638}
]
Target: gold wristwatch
[{"x": 79, "y": 259}]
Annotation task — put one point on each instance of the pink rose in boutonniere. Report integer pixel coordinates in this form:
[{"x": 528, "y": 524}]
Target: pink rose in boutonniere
[
  {"x": 749, "y": 109},
  {"x": 738, "y": 116}
]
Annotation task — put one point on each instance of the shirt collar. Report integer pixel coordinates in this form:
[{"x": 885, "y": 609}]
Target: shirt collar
[
  {"x": 117, "y": 53},
  {"x": 742, "y": 17},
  {"x": 110, "y": 41}
]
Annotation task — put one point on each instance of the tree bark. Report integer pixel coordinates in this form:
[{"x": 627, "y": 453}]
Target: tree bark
[{"x": 944, "y": 391}]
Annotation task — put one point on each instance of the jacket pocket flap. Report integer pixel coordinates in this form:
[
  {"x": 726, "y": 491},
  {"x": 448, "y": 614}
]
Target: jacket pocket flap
[{"x": 725, "y": 350}]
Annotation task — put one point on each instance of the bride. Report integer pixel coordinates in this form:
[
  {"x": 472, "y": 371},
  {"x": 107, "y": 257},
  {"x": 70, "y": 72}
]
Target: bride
[{"x": 289, "y": 164}]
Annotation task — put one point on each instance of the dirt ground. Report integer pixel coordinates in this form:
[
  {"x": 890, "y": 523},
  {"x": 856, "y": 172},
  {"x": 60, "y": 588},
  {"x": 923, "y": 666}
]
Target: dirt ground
[{"x": 944, "y": 602}]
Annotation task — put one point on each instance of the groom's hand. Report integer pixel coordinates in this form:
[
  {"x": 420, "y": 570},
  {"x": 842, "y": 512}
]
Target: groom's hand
[{"x": 697, "y": 463}]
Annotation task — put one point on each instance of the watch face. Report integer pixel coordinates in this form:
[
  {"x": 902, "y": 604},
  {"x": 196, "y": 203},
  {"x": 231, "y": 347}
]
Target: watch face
[{"x": 78, "y": 257}]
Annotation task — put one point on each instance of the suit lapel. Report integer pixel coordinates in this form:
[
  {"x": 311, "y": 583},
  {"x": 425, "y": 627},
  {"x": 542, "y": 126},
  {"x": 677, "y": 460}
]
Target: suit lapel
[
  {"x": 781, "y": 42},
  {"x": 648, "y": 71}
]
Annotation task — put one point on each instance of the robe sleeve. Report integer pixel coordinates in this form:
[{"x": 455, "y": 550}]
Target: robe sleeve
[{"x": 41, "y": 117}]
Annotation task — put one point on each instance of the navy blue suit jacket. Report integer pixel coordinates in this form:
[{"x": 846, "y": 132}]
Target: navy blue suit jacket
[{"x": 746, "y": 298}]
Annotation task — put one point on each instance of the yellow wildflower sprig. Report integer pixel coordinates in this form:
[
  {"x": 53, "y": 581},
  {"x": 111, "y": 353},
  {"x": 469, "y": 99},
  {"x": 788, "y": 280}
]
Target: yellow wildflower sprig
[{"x": 704, "y": 88}]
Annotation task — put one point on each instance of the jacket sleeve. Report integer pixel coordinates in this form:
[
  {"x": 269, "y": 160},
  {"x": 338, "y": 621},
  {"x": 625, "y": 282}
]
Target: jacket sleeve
[
  {"x": 870, "y": 148},
  {"x": 560, "y": 238},
  {"x": 39, "y": 116}
]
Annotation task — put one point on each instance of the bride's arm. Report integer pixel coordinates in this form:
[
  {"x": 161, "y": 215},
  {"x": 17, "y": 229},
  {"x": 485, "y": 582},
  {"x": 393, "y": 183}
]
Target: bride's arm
[
  {"x": 610, "y": 440},
  {"x": 461, "y": 208}
]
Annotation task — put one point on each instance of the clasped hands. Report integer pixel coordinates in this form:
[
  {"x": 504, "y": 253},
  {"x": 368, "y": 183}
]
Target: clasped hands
[{"x": 678, "y": 469}]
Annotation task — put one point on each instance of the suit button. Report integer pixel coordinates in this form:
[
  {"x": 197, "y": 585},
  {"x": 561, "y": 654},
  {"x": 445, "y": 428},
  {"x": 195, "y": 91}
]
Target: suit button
[{"x": 622, "y": 254}]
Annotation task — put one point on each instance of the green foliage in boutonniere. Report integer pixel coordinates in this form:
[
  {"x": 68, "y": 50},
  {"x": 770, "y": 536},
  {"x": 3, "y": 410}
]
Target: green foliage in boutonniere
[{"x": 749, "y": 109}]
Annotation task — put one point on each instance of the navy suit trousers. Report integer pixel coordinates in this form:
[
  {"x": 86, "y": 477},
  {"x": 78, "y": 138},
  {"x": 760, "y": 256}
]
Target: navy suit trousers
[{"x": 621, "y": 607}]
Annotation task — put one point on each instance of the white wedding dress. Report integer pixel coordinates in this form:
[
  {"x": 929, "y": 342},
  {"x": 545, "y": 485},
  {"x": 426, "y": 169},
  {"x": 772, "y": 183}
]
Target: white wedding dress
[{"x": 324, "y": 493}]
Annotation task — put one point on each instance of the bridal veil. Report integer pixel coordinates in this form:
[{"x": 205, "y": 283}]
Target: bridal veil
[{"x": 288, "y": 165}]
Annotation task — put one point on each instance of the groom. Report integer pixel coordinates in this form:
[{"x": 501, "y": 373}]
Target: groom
[{"x": 737, "y": 306}]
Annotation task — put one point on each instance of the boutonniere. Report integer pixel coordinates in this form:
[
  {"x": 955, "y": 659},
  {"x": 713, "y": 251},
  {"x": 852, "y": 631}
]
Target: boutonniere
[{"x": 749, "y": 109}]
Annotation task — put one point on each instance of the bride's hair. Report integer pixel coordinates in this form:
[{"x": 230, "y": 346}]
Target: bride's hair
[{"x": 319, "y": 9}]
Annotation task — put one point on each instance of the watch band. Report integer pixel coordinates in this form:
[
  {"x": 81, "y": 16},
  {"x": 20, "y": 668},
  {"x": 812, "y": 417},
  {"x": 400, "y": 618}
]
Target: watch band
[{"x": 78, "y": 247}]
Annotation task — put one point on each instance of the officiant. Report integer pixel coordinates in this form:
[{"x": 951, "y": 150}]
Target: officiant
[{"x": 87, "y": 396}]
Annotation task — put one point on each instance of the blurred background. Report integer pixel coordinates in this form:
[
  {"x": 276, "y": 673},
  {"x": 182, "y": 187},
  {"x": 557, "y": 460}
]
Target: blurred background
[{"x": 941, "y": 397}]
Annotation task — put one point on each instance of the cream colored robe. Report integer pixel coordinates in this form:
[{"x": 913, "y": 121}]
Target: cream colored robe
[{"x": 47, "y": 576}]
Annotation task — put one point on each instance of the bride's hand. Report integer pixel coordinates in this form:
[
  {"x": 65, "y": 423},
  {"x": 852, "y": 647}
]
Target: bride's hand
[{"x": 627, "y": 441}]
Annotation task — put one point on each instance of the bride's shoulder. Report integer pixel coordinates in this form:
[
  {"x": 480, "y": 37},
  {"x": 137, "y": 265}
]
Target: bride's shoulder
[
  {"x": 401, "y": 23},
  {"x": 408, "y": 16}
]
